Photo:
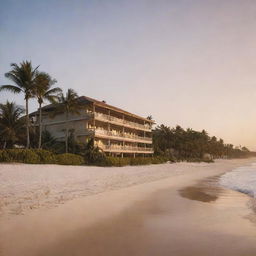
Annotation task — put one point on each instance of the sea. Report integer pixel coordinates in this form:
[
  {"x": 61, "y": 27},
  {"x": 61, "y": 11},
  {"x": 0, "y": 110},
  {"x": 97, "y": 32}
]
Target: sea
[{"x": 242, "y": 179}]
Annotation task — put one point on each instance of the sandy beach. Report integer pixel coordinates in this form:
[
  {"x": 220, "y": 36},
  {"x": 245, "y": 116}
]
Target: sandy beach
[{"x": 169, "y": 209}]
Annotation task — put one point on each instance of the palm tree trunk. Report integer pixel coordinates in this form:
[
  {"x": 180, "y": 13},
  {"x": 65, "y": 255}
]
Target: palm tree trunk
[
  {"x": 40, "y": 126},
  {"x": 66, "y": 134},
  {"x": 4, "y": 147},
  {"x": 27, "y": 124}
]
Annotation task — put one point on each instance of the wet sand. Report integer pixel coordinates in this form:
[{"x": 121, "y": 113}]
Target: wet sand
[
  {"x": 183, "y": 215},
  {"x": 155, "y": 227}
]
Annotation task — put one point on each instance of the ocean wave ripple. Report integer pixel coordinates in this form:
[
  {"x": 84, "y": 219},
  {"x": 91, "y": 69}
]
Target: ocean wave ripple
[{"x": 242, "y": 179}]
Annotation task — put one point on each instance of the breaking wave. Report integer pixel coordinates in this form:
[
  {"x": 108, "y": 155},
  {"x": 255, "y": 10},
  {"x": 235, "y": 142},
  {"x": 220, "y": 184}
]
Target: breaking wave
[{"x": 242, "y": 179}]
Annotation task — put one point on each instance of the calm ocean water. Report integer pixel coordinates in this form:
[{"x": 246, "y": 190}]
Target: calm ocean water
[{"x": 242, "y": 179}]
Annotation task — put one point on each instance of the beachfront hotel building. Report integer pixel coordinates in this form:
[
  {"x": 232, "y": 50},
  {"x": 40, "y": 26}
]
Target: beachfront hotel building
[{"x": 114, "y": 130}]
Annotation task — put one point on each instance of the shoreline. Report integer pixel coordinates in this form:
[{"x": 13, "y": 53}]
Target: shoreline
[
  {"x": 25, "y": 188},
  {"x": 56, "y": 231}
]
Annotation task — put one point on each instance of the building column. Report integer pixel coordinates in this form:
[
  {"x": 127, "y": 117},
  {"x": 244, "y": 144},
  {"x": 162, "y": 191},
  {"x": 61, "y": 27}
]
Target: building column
[
  {"x": 93, "y": 123},
  {"x": 109, "y": 141},
  {"x": 93, "y": 110}
]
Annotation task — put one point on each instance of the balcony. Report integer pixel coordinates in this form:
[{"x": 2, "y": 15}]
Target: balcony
[
  {"x": 126, "y": 149},
  {"x": 51, "y": 121},
  {"x": 123, "y": 122},
  {"x": 122, "y": 136}
]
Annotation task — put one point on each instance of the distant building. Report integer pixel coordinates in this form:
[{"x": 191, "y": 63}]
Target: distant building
[{"x": 115, "y": 131}]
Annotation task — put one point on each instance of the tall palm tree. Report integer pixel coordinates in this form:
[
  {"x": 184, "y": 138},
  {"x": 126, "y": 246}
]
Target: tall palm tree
[
  {"x": 22, "y": 76},
  {"x": 43, "y": 91},
  {"x": 68, "y": 104},
  {"x": 11, "y": 125}
]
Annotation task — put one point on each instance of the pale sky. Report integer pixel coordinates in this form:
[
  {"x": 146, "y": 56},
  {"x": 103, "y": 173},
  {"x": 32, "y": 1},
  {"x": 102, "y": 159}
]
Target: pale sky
[{"x": 186, "y": 62}]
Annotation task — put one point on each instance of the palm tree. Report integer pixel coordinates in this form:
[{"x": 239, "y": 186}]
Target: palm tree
[
  {"x": 93, "y": 154},
  {"x": 43, "y": 91},
  {"x": 69, "y": 104},
  {"x": 11, "y": 125},
  {"x": 23, "y": 76}
]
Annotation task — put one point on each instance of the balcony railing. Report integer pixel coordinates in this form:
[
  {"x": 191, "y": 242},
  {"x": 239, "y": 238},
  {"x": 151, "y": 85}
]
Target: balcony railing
[
  {"x": 125, "y": 148},
  {"x": 49, "y": 121},
  {"x": 105, "y": 117},
  {"x": 122, "y": 135}
]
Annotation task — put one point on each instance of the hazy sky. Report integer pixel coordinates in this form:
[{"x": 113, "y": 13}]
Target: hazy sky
[{"x": 187, "y": 62}]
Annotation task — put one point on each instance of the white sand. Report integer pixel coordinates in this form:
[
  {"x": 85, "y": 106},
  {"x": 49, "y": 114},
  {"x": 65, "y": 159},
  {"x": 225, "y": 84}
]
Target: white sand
[
  {"x": 36, "y": 231},
  {"x": 26, "y": 187}
]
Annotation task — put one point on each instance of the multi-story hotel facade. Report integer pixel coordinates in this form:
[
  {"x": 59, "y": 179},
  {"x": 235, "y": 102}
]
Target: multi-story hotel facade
[{"x": 115, "y": 131}]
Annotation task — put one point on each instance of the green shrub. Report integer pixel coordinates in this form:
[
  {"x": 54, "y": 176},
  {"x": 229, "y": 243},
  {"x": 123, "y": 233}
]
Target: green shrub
[
  {"x": 5, "y": 157},
  {"x": 119, "y": 161},
  {"x": 94, "y": 155},
  {"x": 46, "y": 157},
  {"x": 161, "y": 160},
  {"x": 199, "y": 160},
  {"x": 41, "y": 156},
  {"x": 38, "y": 156},
  {"x": 209, "y": 161},
  {"x": 69, "y": 159},
  {"x": 29, "y": 157},
  {"x": 141, "y": 161},
  {"x": 20, "y": 155},
  {"x": 124, "y": 161},
  {"x": 115, "y": 161}
]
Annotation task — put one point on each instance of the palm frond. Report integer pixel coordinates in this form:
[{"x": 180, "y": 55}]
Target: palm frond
[
  {"x": 68, "y": 103},
  {"x": 10, "y": 88},
  {"x": 22, "y": 76},
  {"x": 52, "y": 98},
  {"x": 52, "y": 91},
  {"x": 10, "y": 122}
]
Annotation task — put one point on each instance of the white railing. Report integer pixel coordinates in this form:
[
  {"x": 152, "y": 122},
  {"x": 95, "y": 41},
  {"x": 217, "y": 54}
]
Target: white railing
[
  {"x": 125, "y": 148},
  {"x": 57, "y": 120},
  {"x": 120, "y": 134},
  {"x": 121, "y": 121}
]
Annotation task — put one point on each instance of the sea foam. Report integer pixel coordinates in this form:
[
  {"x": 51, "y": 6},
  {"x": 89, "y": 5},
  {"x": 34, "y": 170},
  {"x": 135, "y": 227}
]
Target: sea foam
[{"x": 242, "y": 179}]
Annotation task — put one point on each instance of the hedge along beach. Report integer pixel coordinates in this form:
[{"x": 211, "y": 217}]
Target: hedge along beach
[{"x": 140, "y": 210}]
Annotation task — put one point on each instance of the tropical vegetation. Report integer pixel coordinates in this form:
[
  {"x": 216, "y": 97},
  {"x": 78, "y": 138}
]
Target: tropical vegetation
[
  {"x": 23, "y": 76},
  {"x": 22, "y": 142},
  {"x": 11, "y": 124},
  {"x": 188, "y": 144},
  {"x": 68, "y": 104},
  {"x": 42, "y": 90}
]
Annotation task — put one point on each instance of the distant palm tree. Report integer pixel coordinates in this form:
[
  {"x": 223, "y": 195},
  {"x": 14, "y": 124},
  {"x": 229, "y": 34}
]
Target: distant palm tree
[
  {"x": 93, "y": 154},
  {"x": 51, "y": 143},
  {"x": 11, "y": 125},
  {"x": 68, "y": 104},
  {"x": 150, "y": 117},
  {"x": 23, "y": 76},
  {"x": 43, "y": 91}
]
